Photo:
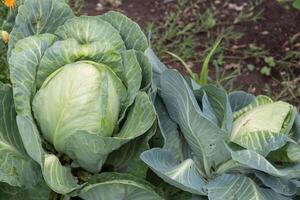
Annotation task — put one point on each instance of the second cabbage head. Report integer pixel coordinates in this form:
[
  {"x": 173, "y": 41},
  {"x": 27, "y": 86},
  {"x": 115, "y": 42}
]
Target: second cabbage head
[{"x": 224, "y": 146}]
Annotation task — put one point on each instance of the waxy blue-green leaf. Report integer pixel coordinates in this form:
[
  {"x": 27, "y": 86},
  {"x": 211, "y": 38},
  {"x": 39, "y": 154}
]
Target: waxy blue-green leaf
[
  {"x": 256, "y": 161},
  {"x": 218, "y": 105},
  {"x": 184, "y": 175},
  {"x": 17, "y": 168},
  {"x": 118, "y": 186},
  {"x": 173, "y": 141},
  {"x": 157, "y": 66},
  {"x": 292, "y": 171},
  {"x": 232, "y": 187},
  {"x": 232, "y": 166},
  {"x": 262, "y": 142},
  {"x": 37, "y": 17},
  {"x": 130, "y": 31},
  {"x": 240, "y": 99},
  {"x": 280, "y": 185},
  {"x": 296, "y": 129},
  {"x": 205, "y": 139}
]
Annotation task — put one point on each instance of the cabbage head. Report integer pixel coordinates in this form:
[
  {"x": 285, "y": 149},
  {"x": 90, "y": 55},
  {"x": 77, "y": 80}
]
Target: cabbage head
[
  {"x": 263, "y": 121},
  {"x": 78, "y": 105}
]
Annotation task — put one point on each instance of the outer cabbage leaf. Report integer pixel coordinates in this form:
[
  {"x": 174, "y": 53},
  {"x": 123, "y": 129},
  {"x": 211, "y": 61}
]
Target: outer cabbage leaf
[
  {"x": 239, "y": 187},
  {"x": 262, "y": 142},
  {"x": 257, "y": 161},
  {"x": 58, "y": 177},
  {"x": 157, "y": 66},
  {"x": 23, "y": 80},
  {"x": 280, "y": 185},
  {"x": 83, "y": 38},
  {"x": 130, "y": 31},
  {"x": 127, "y": 158},
  {"x": 17, "y": 168},
  {"x": 37, "y": 17},
  {"x": 216, "y": 104},
  {"x": 240, "y": 99},
  {"x": 94, "y": 149},
  {"x": 296, "y": 129},
  {"x": 24, "y": 61},
  {"x": 173, "y": 141},
  {"x": 146, "y": 69},
  {"x": 184, "y": 110},
  {"x": 183, "y": 175},
  {"x": 104, "y": 187}
]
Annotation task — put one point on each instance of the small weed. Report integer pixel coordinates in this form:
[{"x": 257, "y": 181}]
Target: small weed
[
  {"x": 270, "y": 63},
  {"x": 207, "y": 20},
  {"x": 176, "y": 34},
  {"x": 249, "y": 16},
  {"x": 256, "y": 52},
  {"x": 249, "y": 13}
]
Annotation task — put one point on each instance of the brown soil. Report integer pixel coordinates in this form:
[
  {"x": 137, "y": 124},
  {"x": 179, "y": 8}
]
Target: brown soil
[
  {"x": 141, "y": 11},
  {"x": 273, "y": 32}
]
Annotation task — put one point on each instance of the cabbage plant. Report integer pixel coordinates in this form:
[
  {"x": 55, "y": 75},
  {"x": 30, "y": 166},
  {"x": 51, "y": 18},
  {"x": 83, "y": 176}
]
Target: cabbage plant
[
  {"x": 77, "y": 113},
  {"x": 224, "y": 146}
]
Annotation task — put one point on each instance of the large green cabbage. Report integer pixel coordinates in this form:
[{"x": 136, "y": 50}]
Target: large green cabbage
[{"x": 78, "y": 103}]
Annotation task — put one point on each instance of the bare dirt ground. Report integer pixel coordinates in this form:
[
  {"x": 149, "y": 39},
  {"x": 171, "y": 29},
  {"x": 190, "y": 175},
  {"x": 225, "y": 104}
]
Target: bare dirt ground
[{"x": 278, "y": 32}]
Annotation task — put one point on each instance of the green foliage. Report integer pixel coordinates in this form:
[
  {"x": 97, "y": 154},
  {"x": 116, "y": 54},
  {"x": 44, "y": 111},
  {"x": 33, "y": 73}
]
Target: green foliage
[
  {"x": 224, "y": 143},
  {"x": 270, "y": 63},
  {"x": 296, "y": 4},
  {"x": 288, "y": 4},
  {"x": 78, "y": 105}
]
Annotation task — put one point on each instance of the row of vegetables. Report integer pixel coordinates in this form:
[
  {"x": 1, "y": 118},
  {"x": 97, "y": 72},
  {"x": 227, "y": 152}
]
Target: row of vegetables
[{"x": 92, "y": 113}]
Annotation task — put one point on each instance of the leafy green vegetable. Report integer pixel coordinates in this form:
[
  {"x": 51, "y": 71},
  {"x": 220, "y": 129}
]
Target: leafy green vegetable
[
  {"x": 224, "y": 146},
  {"x": 78, "y": 105}
]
